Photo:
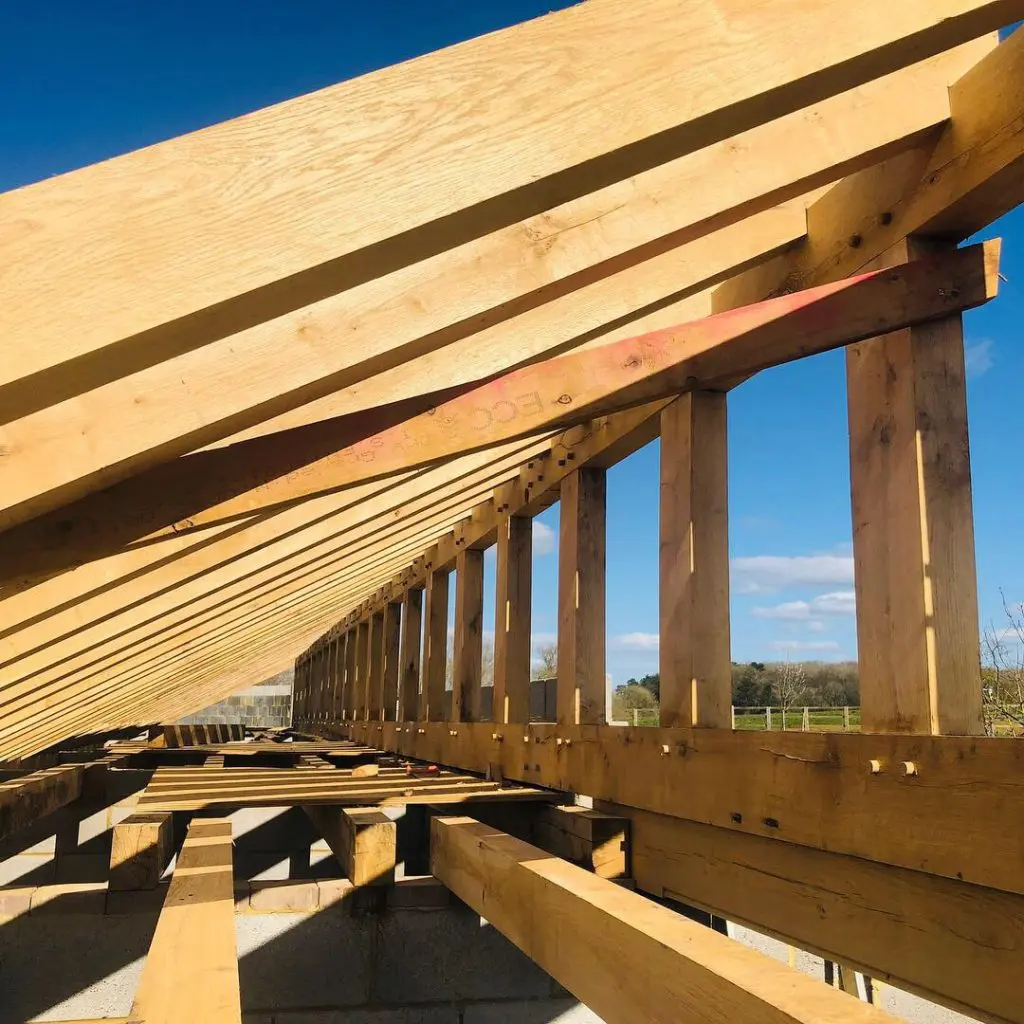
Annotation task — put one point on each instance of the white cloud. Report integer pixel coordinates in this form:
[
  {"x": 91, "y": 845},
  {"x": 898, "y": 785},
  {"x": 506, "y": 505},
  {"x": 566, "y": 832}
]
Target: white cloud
[
  {"x": 805, "y": 645},
  {"x": 816, "y": 626},
  {"x": 543, "y": 538},
  {"x": 634, "y": 642},
  {"x": 839, "y": 602},
  {"x": 978, "y": 357},
  {"x": 762, "y": 574}
]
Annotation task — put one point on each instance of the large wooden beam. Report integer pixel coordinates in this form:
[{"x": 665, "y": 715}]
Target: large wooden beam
[
  {"x": 412, "y": 645},
  {"x": 363, "y": 839},
  {"x": 208, "y": 310},
  {"x": 435, "y": 647},
  {"x": 901, "y": 800},
  {"x": 625, "y": 957},
  {"x": 950, "y": 942},
  {"x": 26, "y": 799},
  {"x": 913, "y": 530},
  {"x": 468, "y": 647},
  {"x": 512, "y": 612},
  {"x": 694, "y": 653},
  {"x": 141, "y": 847},
  {"x": 191, "y": 970},
  {"x": 581, "y": 598}
]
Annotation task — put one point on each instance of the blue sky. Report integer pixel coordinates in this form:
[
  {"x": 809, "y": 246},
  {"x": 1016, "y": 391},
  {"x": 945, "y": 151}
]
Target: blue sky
[{"x": 86, "y": 81}]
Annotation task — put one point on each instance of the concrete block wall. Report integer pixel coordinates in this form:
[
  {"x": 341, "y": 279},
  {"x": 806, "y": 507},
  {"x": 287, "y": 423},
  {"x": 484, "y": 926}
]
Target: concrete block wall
[{"x": 264, "y": 706}]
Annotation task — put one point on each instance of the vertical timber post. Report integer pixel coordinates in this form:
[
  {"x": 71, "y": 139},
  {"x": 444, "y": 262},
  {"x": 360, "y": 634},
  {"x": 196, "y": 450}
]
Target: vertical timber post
[
  {"x": 351, "y": 661},
  {"x": 362, "y": 669},
  {"x": 696, "y": 674},
  {"x": 392, "y": 658},
  {"x": 468, "y": 649},
  {"x": 375, "y": 677},
  {"x": 435, "y": 646},
  {"x": 581, "y": 598},
  {"x": 412, "y": 639},
  {"x": 512, "y": 611},
  {"x": 913, "y": 528}
]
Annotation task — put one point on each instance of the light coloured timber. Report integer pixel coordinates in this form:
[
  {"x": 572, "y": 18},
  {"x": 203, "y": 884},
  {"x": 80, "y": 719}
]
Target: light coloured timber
[
  {"x": 467, "y": 663},
  {"x": 913, "y": 529},
  {"x": 191, "y": 970},
  {"x": 814, "y": 789},
  {"x": 750, "y": 105},
  {"x": 947, "y": 941},
  {"x": 694, "y": 654},
  {"x": 592, "y": 840},
  {"x": 141, "y": 848},
  {"x": 581, "y": 598},
  {"x": 25, "y": 800},
  {"x": 435, "y": 647},
  {"x": 622, "y": 955},
  {"x": 363, "y": 839},
  {"x": 391, "y": 659},
  {"x": 512, "y": 611},
  {"x": 412, "y": 643}
]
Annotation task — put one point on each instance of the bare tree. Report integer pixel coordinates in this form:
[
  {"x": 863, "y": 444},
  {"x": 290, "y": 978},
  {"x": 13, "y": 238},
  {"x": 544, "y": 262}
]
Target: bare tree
[
  {"x": 547, "y": 656},
  {"x": 1002, "y": 673},
  {"x": 789, "y": 684}
]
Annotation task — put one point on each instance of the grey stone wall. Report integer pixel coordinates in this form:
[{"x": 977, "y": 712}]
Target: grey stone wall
[{"x": 264, "y": 706}]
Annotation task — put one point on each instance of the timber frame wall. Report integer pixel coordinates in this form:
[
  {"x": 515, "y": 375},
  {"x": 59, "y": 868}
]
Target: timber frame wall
[{"x": 437, "y": 299}]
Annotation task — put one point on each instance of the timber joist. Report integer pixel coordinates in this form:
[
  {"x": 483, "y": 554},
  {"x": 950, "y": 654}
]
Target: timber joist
[{"x": 312, "y": 362}]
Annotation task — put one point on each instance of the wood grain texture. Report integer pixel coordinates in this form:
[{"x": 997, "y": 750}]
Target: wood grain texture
[
  {"x": 375, "y": 675},
  {"x": 949, "y": 942},
  {"x": 191, "y": 970},
  {"x": 435, "y": 647},
  {"x": 695, "y": 653},
  {"x": 622, "y": 955},
  {"x": 812, "y": 789},
  {"x": 412, "y": 644},
  {"x": 512, "y": 613},
  {"x": 913, "y": 529},
  {"x": 363, "y": 839},
  {"x": 141, "y": 848},
  {"x": 468, "y": 647},
  {"x": 26, "y": 799},
  {"x": 392, "y": 659}
]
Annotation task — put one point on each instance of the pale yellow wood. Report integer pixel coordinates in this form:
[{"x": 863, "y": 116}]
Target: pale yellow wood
[
  {"x": 581, "y": 598},
  {"x": 694, "y": 654},
  {"x": 435, "y": 647},
  {"x": 918, "y": 931},
  {"x": 25, "y": 799},
  {"x": 590, "y": 839},
  {"x": 913, "y": 529},
  {"x": 412, "y": 642},
  {"x": 363, "y": 839},
  {"x": 813, "y": 789},
  {"x": 375, "y": 676},
  {"x": 141, "y": 847},
  {"x": 468, "y": 647},
  {"x": 512, "y": 611},
  {"x": 622, "y": 955},
  {"x": 391, "y": 659},
  {"x": 191, "y": 970},
  {"x": 749, "y": 99}
]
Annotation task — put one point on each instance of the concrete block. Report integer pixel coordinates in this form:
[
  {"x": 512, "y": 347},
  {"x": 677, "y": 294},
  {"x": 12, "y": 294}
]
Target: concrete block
[
  {"x": 95, "y": 829},
  {"x": 266, "y": 866},
  {"x": 15, "y": 901},
  {"x": 398, "y": 1015},
  {"x": 26, "y": 869},
  {"x": 530, "y": 1011},
  {"x": 301, "y": 960},
  {"x": 84, "y": 898},
  {"x": 137, "y": 901},
  {"x": 82, "y": 867},
  {"x": 334, "y": 891},
  {"x": 282, "y": 897},
  {"x": 418, "y": 893},
  {"x": 456, "y": 958}
]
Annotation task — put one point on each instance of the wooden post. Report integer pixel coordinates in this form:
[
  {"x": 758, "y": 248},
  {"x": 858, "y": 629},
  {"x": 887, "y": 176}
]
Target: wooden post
[
  {"x": 913, "y": 528},
  {"x": 363, "y": 839},
  {"x": 351, "y": 672},
  {"x": 339, "y": 677},
  {"x": 846, "y": 719},
  {"x": 512, "y": 611},
  {"x": 436, "y": 646},
  {"x": 375, "y": 675},
  {"x": 412, "y": 640},
  {"x": 362, "y": 670},
  {"x": 469, "y": 621},
  {"x": 392, "y": 660},
  {"x": 140, "y": 850},
  {"x": 581, "y": 598},
  {"x": 696, "y": 675},
  {"x": 805, "y": 722},
  {"x": 191, "y": 970},
  {"x": 768, "y": 718}
]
